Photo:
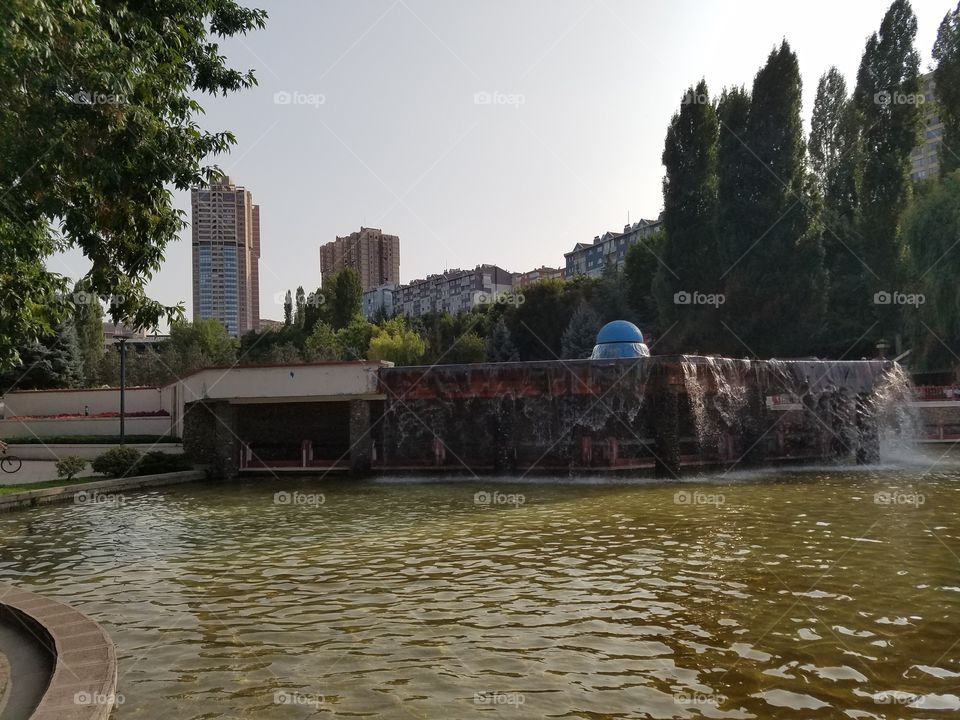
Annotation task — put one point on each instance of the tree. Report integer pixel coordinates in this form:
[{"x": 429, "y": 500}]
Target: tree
[
  {"x": 581, "y": 333},
  {"x": 500, "y": 347},
  {"x": 691, "y": 254},
  {"x": 196, "y": 345},
  {"x": 946, "y": 77},
  {"x": 88, "y": 322},
  {"x": 347, "y": 302},
  {"x": 288, "y": 309},
  {"x": 886, "y": 97},
  {"x": 299, "y": 313},
  {"x": 53, "y": 362},
  {"x": 354, "y": 339},
  {"x": 639, "y": 270},
  {"x": 836, "y": 160},
  {"x": 322, "y": 343},
  {"x": 612, "y": 294},
  {"x": 313, "y": 310},
  {"x": 97, "y": 125},
  {"x": 776, "y": 288},
  {"x": 931, "y": 229},
  {"x": 397, "y": 343}
]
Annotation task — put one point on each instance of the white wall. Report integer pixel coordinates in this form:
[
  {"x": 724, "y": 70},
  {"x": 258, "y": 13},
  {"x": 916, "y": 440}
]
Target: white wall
[
  {"x": 84, "y": 426},
  {"x": 38, "y": 403}
]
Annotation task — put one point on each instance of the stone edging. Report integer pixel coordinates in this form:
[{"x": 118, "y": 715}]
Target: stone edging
[
  {"x": 66, "y": 493},
  {"x": 84, "y": 681}
]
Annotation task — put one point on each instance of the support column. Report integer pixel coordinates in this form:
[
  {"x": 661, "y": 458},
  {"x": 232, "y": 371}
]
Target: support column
[
  {"x": 226, "y": 431},
  {"x": 361, "y": 442},
  {"x": 664, "y": 424}
]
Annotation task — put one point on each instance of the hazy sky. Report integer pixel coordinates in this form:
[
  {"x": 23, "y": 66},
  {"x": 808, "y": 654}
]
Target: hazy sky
[{"x": 383, "y": 129}]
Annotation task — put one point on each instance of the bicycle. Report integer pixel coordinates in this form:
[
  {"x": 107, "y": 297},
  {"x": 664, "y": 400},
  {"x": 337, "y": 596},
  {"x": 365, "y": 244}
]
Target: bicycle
[{"x": 10, "y": 463}]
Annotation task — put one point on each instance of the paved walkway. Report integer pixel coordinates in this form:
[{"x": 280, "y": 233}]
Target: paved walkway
[{"x": 34, "y": 471}]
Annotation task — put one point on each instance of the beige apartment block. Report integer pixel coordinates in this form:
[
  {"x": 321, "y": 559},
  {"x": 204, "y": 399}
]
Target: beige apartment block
[{"x": 374, "y": 255}]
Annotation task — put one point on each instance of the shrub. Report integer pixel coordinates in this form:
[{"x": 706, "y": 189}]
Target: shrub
[
  {"x": 156, "y": 462},
  {"x": 70, "y": 466},
  {"x": 117, "y": 462}
]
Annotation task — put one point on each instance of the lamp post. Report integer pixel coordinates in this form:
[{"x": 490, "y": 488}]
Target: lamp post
[
  {"x": 882, "y": 347},
  {"x": 122, "y": 339}
]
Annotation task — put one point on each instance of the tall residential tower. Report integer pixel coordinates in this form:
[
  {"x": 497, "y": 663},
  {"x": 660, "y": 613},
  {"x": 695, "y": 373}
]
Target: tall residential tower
[
  {"x": 226, "y": 256},
  {"x": 374, "y": 255}
]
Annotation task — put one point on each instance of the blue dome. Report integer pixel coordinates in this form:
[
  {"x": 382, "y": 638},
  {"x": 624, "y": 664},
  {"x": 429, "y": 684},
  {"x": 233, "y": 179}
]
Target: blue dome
[{"x": 619, "y": 331}]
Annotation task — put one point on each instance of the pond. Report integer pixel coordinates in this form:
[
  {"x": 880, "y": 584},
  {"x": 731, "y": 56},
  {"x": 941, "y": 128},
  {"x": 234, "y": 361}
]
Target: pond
[{"x": 823, "y": 593}]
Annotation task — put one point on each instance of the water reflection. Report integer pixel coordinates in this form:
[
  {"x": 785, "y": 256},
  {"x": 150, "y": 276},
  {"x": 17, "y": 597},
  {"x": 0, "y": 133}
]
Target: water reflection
[{"x": 821, "y": 594}]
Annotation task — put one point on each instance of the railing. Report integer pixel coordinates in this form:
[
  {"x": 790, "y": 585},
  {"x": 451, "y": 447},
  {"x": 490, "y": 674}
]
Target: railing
[{"x": 937, "y": 392}]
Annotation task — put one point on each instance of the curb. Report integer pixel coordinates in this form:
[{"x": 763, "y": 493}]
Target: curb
[{"x": 85, "y": 660}]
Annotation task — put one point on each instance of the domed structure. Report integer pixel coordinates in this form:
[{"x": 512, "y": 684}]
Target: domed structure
[{"x": 619, "y": 339}]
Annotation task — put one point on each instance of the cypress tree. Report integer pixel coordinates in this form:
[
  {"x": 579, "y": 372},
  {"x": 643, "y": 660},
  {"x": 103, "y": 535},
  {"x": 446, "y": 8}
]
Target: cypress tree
[
  {"x": 777, "y": 287},
  {"x": 946, "y": 51},
  {"x": 690, "y": 256},
  {"x": 887, "y": 98}
]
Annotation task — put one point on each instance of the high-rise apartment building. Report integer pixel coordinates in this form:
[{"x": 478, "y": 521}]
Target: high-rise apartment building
[
  {"x": 226, "y": 256},
  {"x": 374, "y": 255},
  {"x": 590, "y": 259},
  {"x": 925, "y": 158}
]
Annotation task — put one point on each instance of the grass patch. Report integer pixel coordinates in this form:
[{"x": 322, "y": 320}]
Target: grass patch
[{"x": 9, "y": 489}]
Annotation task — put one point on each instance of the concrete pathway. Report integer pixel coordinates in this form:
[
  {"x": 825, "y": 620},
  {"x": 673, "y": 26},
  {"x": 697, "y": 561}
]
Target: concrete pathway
[{"x": 34, "y": 471}]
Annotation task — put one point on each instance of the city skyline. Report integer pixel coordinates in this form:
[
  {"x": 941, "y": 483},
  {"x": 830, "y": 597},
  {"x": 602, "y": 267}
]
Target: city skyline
[{"x": 554, "y": 139}]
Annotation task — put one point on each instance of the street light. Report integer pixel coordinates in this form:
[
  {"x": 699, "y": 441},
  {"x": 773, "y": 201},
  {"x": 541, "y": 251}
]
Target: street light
[{"x": 122, "y": 340}]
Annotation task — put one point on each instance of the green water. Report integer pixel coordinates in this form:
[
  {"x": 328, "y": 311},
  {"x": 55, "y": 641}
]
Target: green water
[{"x": 799, "y": 595}]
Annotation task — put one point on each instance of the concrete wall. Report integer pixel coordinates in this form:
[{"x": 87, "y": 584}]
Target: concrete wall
[
  {"x": 84, "y": 426},
  {"x": 39, "y": 403},
  {"x": 59, "y": 451}
]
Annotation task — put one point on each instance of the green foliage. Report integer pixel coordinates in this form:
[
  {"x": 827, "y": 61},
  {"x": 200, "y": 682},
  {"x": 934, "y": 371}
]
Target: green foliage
[
  {"x": 83, "y": 84},
  {"x": 640, "y": 268},
  {"x": 581, "y": 333},
  {"x": 288, "y": 309},
  {"x": 931, "y": 229},
  {"x": 88, "y": 322},
  {"x": 691, "y": 254},
  {"x": 322, "y": 343},
  {"x": 70, "y": 466},
  {"x": 354, "y": 339},
  {"x": 116, "y": 462},
  {"x": 156, "y": 462},
  {"x": 885, "y": 97},
  {"x": 946, "y": 77},
  {"x": 500, "y": 347},
  {"x": 299, "y": 315},
  {"x": 782, "y": 271},
  {"x": 397, "y": 343},
  {"x": 347, "y": 300},
  {"x": 53, "y": 362}
]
